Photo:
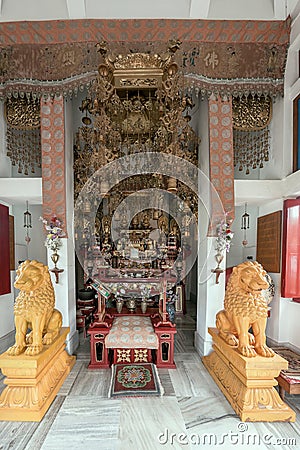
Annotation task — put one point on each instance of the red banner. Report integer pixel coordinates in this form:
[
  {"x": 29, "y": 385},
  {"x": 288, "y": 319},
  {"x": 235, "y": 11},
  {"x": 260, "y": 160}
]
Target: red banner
[{"x": 4, "y": 251}]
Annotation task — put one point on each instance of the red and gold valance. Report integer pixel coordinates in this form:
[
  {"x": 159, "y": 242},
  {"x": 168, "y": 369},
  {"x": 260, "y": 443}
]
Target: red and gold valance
[{"x": 60, "y": 57}]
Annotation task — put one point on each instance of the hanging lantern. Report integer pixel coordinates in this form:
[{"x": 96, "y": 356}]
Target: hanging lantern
[
  {"x": 27, "y": 223},
  {"x": 27, "y": 218},
  {"x": 245, "y": 219},
  {"x": 245, "y": 225}
]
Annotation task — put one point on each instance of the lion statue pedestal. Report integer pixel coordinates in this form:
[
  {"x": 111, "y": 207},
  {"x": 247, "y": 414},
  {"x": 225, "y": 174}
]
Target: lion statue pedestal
[
  {"x": 37, "y": 364},
  {"x": 241, "y": 363}
]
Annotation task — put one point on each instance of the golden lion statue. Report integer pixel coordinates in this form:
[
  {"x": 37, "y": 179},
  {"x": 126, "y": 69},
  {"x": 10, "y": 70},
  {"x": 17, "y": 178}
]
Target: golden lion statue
[
  {"x": 34, "y": 309},
  {"x": 245, "y": 306}
]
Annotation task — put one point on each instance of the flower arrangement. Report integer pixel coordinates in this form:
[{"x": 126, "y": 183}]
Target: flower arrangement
[
  {"x": 54, "y": 233},
  {"x": 224, "y": 236}
]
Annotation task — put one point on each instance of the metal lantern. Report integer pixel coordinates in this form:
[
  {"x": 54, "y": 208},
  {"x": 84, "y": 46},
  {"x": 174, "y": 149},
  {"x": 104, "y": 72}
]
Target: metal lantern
[
  {"x": 27, "y": 218},
  {"x": 245, "y": 225},
  {"x": 27, "y": 223},
  {"x": 245, "y": 219}
]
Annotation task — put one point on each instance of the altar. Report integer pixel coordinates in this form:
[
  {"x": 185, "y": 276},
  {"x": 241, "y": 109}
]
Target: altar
[{"x": 131, "y": 334}]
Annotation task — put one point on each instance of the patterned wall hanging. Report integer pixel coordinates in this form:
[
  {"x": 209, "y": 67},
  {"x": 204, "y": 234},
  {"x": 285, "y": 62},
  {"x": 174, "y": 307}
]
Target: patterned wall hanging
[
  {"x": 251, "y": 134},
  {"x": 23, "y": 135},
  {"x": 53, "y": 158},
  {"x": 221, "y": 153}
]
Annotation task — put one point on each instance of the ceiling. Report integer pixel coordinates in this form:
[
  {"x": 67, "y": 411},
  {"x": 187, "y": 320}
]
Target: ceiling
[{"x": 14, "y": 10}]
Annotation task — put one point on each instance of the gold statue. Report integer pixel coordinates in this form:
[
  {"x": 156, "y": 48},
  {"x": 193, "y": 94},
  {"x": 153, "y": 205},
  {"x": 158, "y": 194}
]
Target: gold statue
[
  {"x": 245, "y": 306},
  {"x": 34, "y": 309}
]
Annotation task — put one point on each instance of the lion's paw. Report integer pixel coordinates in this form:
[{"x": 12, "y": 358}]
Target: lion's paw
[
  {"x": 29, "y": 338},
  {"x": 247, "y": 350},
  {"x": 33, "y": 350},
  {"x": 251, "y": 339},
  {"x": 229, "y": 338},
  {"x": 264, "y": 350},
  {"x": 232, "y": 340},
  {"x": 15, "y": 350},
  {"x": 48, "y": 339}
]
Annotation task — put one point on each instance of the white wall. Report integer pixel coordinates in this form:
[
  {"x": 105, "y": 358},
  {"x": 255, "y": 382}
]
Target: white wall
[
  {"x": 239, "y": 253},
  {"x": 36, "y": 248}
]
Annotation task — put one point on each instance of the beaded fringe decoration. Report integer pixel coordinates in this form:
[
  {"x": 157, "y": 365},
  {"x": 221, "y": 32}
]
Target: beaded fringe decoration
[
  {"x": 251, "y": 135},
  {"x": 23, "y": 135},
  {"x": 251, "y": 149}
]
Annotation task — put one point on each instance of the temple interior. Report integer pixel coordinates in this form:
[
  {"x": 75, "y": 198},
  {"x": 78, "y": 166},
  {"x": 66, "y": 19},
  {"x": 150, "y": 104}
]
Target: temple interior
[{"x": 146, "y": 150}]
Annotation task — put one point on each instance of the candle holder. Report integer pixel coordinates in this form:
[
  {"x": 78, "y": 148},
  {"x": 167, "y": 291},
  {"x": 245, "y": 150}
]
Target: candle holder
[
  {"x": 218, "y": 270},
  {"x": 56, "y": 270}
]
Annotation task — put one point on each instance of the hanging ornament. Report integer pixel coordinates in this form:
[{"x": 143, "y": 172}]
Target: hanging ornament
[
  {"x": 245, "y": 225},
  {"x": 27, "y": 223}
]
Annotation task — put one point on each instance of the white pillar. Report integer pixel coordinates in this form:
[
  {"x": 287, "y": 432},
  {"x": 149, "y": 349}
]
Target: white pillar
[
  {"x": 65, "y": 299},
  {"x": 65, "y": 291},
  {"x": 210, "y": 295}
]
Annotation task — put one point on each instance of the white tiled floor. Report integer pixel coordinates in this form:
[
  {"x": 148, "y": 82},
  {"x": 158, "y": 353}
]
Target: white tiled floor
[{"x": 193, "y": 413}]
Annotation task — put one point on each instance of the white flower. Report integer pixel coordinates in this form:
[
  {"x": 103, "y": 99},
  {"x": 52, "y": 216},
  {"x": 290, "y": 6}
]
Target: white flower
[
  {"x": 224, "y": 237},
  {"x": 54, "y": 233}
]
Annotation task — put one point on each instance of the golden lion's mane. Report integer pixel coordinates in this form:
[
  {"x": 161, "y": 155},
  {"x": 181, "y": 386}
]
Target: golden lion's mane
[
  {"x": 38, "y": 300},
  {"x": 244, "y": 303}
]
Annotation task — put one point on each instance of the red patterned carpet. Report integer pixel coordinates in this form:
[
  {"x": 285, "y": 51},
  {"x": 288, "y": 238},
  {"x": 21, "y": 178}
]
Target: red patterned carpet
[
  {"x": 134, "y": 380},
  {"x": 292, "y": 358}
]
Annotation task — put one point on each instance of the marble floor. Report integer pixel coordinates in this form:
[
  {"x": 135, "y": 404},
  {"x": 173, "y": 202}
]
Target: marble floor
[{"x": 192, "y": 413}]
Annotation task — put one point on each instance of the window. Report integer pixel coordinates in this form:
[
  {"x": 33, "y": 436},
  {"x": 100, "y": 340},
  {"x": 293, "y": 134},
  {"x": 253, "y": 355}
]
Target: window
[{"x": 291, "y": 250}]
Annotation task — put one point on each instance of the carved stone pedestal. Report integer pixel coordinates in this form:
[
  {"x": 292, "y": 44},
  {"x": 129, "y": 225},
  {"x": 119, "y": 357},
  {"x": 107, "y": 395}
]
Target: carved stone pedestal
[
  {"x": 33, "y": 381},
  {"x": 248, "y": 383}
]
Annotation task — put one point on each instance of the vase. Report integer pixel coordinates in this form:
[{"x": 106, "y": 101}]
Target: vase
[
  {"x": 144, "y": 305},
  {"x": 219, "y": 258},
  {"x": 55, "y": 258},
  {"x": 119, "y": 305}
]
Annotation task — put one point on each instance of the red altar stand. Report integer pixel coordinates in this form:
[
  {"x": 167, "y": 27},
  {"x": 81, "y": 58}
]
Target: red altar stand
[
  {"x": 165, "y": 331},
  {"x": 98, "y": 331},
  {"x": 99, "y": 353}
]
